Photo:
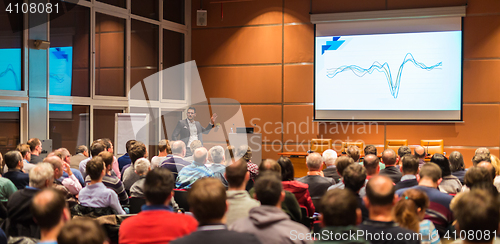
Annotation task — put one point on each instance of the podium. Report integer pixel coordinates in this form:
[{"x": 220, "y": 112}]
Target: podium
[{"x": 253, "y": 140}]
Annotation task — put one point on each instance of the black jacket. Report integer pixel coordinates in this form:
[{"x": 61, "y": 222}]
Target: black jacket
[
  {"x": 19, "y": 218},
  {"x": 393, "y": 173},
  {"x": 406, "y": 184}
]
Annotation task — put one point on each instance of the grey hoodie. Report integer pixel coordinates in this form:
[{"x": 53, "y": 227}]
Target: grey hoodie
[{"x": 272, "y": 226}]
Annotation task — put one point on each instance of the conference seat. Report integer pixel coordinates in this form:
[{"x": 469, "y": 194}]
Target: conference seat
[
  {"x": 180, "y": 196},
  {"x": 432, "y": 146},
  {"x": 136, "y": 204},
  {"x": 395, "y": 144},
  {"x": 320, "y": 145}
]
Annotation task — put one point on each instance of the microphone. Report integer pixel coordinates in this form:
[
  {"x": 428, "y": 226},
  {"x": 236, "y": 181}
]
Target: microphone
[{"x": 428, "y": 154}]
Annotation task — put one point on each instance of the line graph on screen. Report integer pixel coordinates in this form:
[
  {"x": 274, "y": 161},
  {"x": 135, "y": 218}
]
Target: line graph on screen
[
  {"x": 384, "y": 68},
  {"x": 10, "y": 69}
]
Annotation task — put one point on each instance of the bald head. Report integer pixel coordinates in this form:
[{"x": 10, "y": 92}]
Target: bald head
[
  {"x": 329, "y": 157},
  {"x": 380, "y": 191},
  {"x": 200, "y": 155},
  {"x": 179, "y": 148},
  {"x": 48, "y": 207},
  {"x": 489, "y": 167},
  {"x": 420, "y": 152},
  {"x": 314, "y": 161},
  {"x": 56, "y": 164},
  {"x": 65, "y": 155},
  {"x": 371, "y": 162},
  {"x": 389, "y": 157}
]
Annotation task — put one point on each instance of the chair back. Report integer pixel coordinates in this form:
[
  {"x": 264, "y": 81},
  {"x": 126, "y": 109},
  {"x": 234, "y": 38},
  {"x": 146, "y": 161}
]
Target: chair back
[
  {"x": 136, "y": 204},
  {"x": 305, "y": 217},
  {"x": 321, "y": 145},
  {"x": 180, "y": 196},
  {"x": 433, "y": 146},
  {"x": 395, "y": 144},
  {"x": 345, "y": 145}
]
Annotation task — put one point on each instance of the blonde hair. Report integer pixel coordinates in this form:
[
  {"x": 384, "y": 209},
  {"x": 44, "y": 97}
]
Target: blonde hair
[{"x": 496, "y": 163}]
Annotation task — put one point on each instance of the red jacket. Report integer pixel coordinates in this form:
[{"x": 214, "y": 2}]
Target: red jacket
[{"x": 301, "y": 192}]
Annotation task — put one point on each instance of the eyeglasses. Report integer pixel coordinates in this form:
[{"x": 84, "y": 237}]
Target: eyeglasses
[{"x": 190, "y": 113}]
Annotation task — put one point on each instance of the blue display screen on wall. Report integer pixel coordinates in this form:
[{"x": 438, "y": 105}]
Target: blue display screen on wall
[{"x": 10, "y": 69}]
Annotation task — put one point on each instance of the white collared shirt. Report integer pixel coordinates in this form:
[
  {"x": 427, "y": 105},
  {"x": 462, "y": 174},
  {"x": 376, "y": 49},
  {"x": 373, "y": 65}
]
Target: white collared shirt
[{"x": 193, "y": 132}]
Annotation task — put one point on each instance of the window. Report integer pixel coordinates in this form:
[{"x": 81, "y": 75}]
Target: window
[
  {"x": 118, "y": 3},
  {"x": 173, "y": 54},
  {"x": 11, "y": 41},
  {"x": 10, "y": 128},
  {"x": 144, "y": 61},
  {"x": 146, "y": 8},
  {"x": 69, "y": 72},
  {"x": 169, "y": 120},
  {"x": 109, "y": 56},
  {"x": 69, "y": 126},
  {"x": 173, "y": 10}
]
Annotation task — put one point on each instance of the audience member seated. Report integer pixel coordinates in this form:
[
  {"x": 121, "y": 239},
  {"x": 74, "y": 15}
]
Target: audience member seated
[
  {"x": 409, "y": 213},
  {"x": 216, "y": 154},
  {"x": 14, "y": 162},
  {"x": 268, "y": 222},
  {"x": 82, "y": 231},
  {"x": 299, "y": 189},
  {"x": 156, "y": 223},
  {"x": 439, "y": 208},
  {"x": 137, "y": 151},
  {"x": 69, "y": 185},
  {"x": 36, "y": 149},
  {"x": 25, "y": 151},
  {"x": 65, "y": 156},
  {"x": 496, "y": 164},
  {"x": 476, "y": 178},
  {"x": 354, "y": 152},
  {"x": 449, "y": 184},
  {"x": 238, "y": 198},
  {"x": 492, "y": 172},
  {"x": 409, "y": 166},
  {"x": 142, "y": 167},
  {"x": 480, "y": 157},
  {"x": 380, "y": 200},
  {"x": 197, "y": 170},
  {"x": 371, "y": 149},
  {"x": 115, "y": 166},
  {"x": 207, "y": 201},
  {"x": 372, "y": 165},
  {"x": 457, "y": 166},
  {"x": 50, "y": 212},
  {"x": 82, "y": 153},
  {"x": 483, "y": 150},
  {"x": 477, "y": 212},
  {"x": 329, "y": 157},
  {"x": 246, "y": 153},
  {"x": 7, "y": 188},
  {"x": 20, "y": 220},
  {"x": 340, "y": 214},
  {"x": 176, "y": 162},
  {"x": 111, "y": 182},
  {"x": 229, "y": 155},
  {"x": 403, "y": 151},
  {"x": 96, "y": 195},
  {"x": 317, "y": 183},
  {"x": 96, "y": 148},
  {"x": 193, "y": 146},
  {"x": 354, "y": 180},
  {"x": 124, "y": 160},
  {"x": 290, "y": 205},
  {"x": 342, "y": 162},
  {"x": 165, "y": 152},
  {"x": 390, "y": 159},
  {"x": 420, "y": 153}
]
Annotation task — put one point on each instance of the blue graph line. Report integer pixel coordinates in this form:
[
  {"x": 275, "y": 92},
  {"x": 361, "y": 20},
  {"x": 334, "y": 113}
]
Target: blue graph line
[
  {"x": 11, "y": 69},
  {"x": 384, "y": 68}
]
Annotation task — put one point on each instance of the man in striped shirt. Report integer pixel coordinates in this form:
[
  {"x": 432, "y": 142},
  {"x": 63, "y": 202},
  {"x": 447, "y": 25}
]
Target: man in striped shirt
[{"x": 111, "y": 182}]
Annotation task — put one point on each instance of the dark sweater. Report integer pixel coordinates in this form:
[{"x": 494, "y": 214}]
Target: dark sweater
[
  {"x": 20, "y": 179},
  {"x": 19, "y": 218},
  {"x": 217, "y": 236}
]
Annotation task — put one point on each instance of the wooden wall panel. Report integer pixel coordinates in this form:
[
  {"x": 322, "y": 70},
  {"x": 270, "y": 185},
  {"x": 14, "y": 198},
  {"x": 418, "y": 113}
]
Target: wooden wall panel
[
  {"x": 481, "y": 81},
  {"x": 299, "y": 49},
  {"x": 249, "y": 45},
  {"x": 240, "y": 13},
  {"x": 483, "y": 6},
  {"x": 298, "y": 127},
  {"x": 480, "y": 128},
  {"x": 405, "y": 4},
  {"x": 245, "y": 84},
  {"x": 482, "y": 35},
  {"x": 298, "y": 86},
  {"x": 336, "y": 6},
  {"x": 297, "y": 11}
]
